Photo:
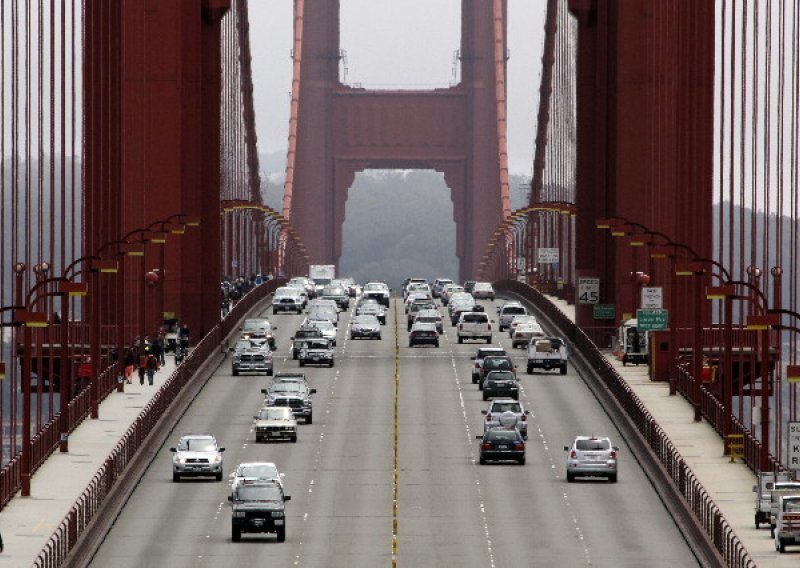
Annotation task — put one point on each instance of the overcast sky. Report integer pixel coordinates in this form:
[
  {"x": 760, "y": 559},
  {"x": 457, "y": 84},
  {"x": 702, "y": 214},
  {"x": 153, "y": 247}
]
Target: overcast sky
[{"x": 393, "y": 44}]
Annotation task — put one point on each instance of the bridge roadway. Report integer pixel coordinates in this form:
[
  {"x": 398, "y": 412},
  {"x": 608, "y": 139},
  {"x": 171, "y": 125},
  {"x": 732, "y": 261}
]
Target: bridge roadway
[{"x": 450, "y": 512}]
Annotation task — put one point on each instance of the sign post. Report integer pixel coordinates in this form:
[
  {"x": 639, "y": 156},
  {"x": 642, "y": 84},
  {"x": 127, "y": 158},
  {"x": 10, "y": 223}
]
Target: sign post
[
  {"x": 652, "y": 297},
  {"x": 793, "y": 446},
  {"x": 588, "y": 290},
  {"x": 547, "y": 256},
  {"x": 649, "y": 320}
]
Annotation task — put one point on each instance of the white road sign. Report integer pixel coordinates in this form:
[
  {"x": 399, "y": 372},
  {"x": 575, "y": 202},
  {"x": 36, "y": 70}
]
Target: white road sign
[
  {"x": 547, "y": 256},
  {"x": 652, "y": 297},
  {"x": 793, "y": 446},
  {"x": 588, "y": 290}
]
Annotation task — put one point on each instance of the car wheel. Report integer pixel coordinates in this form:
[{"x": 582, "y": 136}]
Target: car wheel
[
  {"x": 330, "y": 364},
  {"x": 282, "y": 534},
  {"x": 294, "y": 440},
  {"x": 310, "y": 419},
  {"x": 352, "y": 337},
  {"x": 258, "y": 439},
  {"x": 460, "y": 339},
  {"x": 176, "y": 477},
  {"x": 302, "y": 363},
  {"x": 489, "y": 339},
  {"x": 515, "y": 396},
  {"x": 521, "y": 461},
  {"x": 485, "y": 395},
  {"x": 379, "y": 337},
  {"x": 570, "y": 477},
  {"x": 781, "y": 546},
  {"x": 236, "y": 534},
  {"x": 612, "y": 478},
  {"x": 474, "y": 379},
  {"x": 530, "y": 369},
  {"x": 480, "y": 385},
  {"x": 294, "y": 356},
  {"x": 771, "y": 531},
  {"x": 436, "y": 344},
  {"x": 269, "y": 373},
  {"x": 218, "y": 477},
  {"x": 563, "y": 369},
  {"x": 235, "y": 373},
  {"x": 482, "y": 460}
]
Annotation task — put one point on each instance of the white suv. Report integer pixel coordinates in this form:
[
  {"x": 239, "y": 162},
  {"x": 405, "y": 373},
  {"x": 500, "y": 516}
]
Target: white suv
[
  {"x": 592, "y": 456},
  {"x": 197, "y": 455},
  {"x": 474, "y": 325},
  {"x": 507, "y": 312},
  {"x": 287, "y": 299}
]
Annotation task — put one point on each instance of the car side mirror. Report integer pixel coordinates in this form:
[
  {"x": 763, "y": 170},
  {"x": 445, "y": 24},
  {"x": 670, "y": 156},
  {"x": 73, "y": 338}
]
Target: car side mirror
[
  {"x": 472, "y": 358},
  {"x": 527, "y": 412},
  {"x": 479, "y": 437},
  {"x": 231, "y": 349},
  {"x": 255, "y": 417},
  {"x": 230, "y": 498},
  {"x": 263, "y": 391},
  {"x": 287, "y": 497},
  {"x": 222, "y": 450},
  {"x": 173, "y": 450},
  {"x": 615, "y": 448},
  {"x": 755, "y": 489},
  {"x": 566, "y": 448},
  {"x": 274, "y": 327},
  {"x": 313, "y": 391},
  {"x": 292, "y": 338},
  {"x": 484, "y": 412}
]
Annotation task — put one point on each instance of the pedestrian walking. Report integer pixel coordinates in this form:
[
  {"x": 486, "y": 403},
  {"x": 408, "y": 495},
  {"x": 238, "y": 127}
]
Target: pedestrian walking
[
  {"x": 159, "y": 346},
  {"x": 130, "y": 364},
  {"x": 143, "y": 364},
  {"x": 183, "y": 336},
  {"x": 151, "y": 368}
]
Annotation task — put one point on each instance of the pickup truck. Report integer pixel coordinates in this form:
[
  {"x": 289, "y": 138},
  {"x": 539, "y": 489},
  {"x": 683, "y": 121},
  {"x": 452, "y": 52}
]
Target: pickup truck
[
  {"x": 302, "y": 336},
  {"x": 787, "y": 529},
  {"x": 781, "y": 489},
  {"x": 548, "y": 353},
  {"x": 766, "y": 483},
  {"x": 474, "y": 325}
]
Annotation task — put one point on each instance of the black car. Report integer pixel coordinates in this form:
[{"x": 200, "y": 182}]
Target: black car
[
  {"x": 423, "y": 333},
  {"x": 258, "y": 507},
  {"x": 502, "y": 444},
  {"x": 494, "y": 363},
  {"x": 482, "y": 353},
  {"x": 500, "y": 383}
]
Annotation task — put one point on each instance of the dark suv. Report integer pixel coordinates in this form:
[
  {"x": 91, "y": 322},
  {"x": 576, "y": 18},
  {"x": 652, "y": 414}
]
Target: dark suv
[
  {"x": 302, "y": 336},
  {"x": 482, "y": 353},
  {"x": 338, "y": 294},
  {"x": 500, "y": 383},
  {"x": 495, "y": 363},
  {"x": 258, "y": 507}
]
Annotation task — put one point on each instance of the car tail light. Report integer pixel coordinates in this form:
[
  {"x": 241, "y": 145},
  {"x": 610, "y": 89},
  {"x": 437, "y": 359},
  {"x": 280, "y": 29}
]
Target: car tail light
[
  {"x": 486, "y": 446},
  {"x": 477, "y": 365},
  {"x": 519, "y": 445},
  {"x": 488, "y": 418},
  {"x": 612, "y": 455},
  {"x": 573, "y": 454},
  {"x": 524, "y": 418}
]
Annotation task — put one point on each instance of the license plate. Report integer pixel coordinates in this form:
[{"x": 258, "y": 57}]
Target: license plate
[
  {"x": 279, "y": 522},
  {"x": 502, "y": 447},
  {"x": 275, "y": 434},
  {"x": 315, "y": 358}
]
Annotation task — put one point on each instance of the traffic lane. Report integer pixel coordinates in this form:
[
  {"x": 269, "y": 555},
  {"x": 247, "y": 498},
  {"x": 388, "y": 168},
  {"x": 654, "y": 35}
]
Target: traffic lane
[
  {"x": 188, "y": 523},
  {"x": 639, "y": 527},
  {"x": 348, "y": 519},
  {"x": 440, "y": 518}
]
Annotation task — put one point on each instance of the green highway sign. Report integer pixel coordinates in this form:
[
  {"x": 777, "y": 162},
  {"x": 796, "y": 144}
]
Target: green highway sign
[
  {"x": 605, "y": 312},
  {"x": 651, "y": 319}
]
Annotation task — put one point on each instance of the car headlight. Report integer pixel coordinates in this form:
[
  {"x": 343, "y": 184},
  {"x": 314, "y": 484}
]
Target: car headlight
[
  {"x": 218, "y": 458},
  {"x": 239, "y": 514},
  {"x": 180, "y": 459}
]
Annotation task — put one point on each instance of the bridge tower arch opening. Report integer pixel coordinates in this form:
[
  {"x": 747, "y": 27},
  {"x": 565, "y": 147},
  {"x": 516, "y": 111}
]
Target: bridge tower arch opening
[
  {"x": 397, "y": 224},
  {"x": 338, "y": 130}
]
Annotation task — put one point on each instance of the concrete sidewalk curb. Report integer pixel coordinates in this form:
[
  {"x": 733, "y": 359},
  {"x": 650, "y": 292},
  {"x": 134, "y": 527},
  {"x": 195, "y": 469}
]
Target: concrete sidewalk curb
[
  {"x": 93, "y": 536},
  {"x": 676, "y": 505}
]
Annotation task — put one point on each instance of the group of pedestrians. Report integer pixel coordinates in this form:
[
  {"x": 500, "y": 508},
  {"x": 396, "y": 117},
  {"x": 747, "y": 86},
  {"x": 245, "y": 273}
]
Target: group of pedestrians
[
  {"x": 233, "y": 289},
  {"x": 147, "y": 356}
]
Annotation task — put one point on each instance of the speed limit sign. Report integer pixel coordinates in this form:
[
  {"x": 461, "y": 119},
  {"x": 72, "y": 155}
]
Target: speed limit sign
[{"x": 588, "y": 290}]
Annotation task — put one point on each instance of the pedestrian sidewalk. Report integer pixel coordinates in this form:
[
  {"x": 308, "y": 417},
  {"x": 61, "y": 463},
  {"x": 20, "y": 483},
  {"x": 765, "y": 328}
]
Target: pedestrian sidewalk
[
  {"x": 27, "y": 523},
  {"x": 730, "y": 485}
]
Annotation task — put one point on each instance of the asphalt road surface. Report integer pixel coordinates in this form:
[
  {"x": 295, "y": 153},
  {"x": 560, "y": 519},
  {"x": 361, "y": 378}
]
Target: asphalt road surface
[{"x": 377, "y": 435}]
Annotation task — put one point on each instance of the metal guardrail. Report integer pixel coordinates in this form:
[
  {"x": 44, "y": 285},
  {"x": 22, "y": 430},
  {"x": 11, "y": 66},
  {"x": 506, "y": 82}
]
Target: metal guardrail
[
  {"x": 91, "y": 500},
  {"x": 714, "y": 524}
]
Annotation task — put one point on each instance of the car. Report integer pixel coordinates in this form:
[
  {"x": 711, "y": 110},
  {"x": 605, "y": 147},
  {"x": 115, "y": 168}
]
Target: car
[
  {"x": 417, "y": 297},
  {"x": 258, "y": 507},
  {"x": 372, "y": 308},
  {"x": 379, "y": 291},
  {"x": 338, "y": 294},
  {"x": 500, "y": 383},
  {"x": 415, "y": 308},
  {"x": 448, "y": 291},
  {"x": 287, "y": 299},
  {"x": 500, "y": 405},
  {"x": 294, "y": 395},
  {"x": 275, "y": 423},
  {"x": 325, "y": 327},
  {"x": 525, "y": 333},
  {"x": 592, "y": 456},
  {"x": 548, "y": 353},
  {"x": 516, "y": 320},
  {"x": 258, "y": 330},
  {"x": 423, "y": 333},
  {"x": 306, "y": 283},
  {"x": 474, "y": 325},
  {"x": 431, "y": 316},
  {"x": 255, "y": 471},
  {"x": 319, "y": 312},
  {"x": 416, "y": 287},
  {"x": 494, "y": 363},
  {"x": 301, "y": 336},
  {"x": 480, "y": 355},
  {"x": 502, "y": 444},
  {"x": 482, "y": 290},
  {"x": 469, "y": 285},
  {"x": 438, "y": 284},
  {"x": 316, "y": 352},
  {"x": 365, "y": 326},
  {"x": 326, "y": 303},
  {"x": 298, "y": 377},
  {"x": 197, "y": 455},
  {"x": 787, "y": 524},
  {"x": 507, "y": 311},
  {"x": 248, "y": 356}
]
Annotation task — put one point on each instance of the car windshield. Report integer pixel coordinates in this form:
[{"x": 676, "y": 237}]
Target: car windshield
[
  {"x": 286, "y": 387},
  {"x": 506, "y": 407},
  {"x": 197, "y": 445},
  {"x": 324, "y": 325},
  {"x": 489, "y": 352},
  {"x": 475, "y": 318},
  {"x": 261, "y": 470},
  {"x": 501, "y": 434},
  {"x": 501, "y": 364},
  {"x": 317, "y": 344},
  {"x": 791, "y": 505},
  {"x": 256, "y": 326},
  {"x": 243, "y": 344},
  {"x": 513, "y": 310},
  {"x": 589, "y": 445},
  {"x": 365, "y": 320},
  {"x": 258, "y": 493},
  {"x": 274, "y": 414}
]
